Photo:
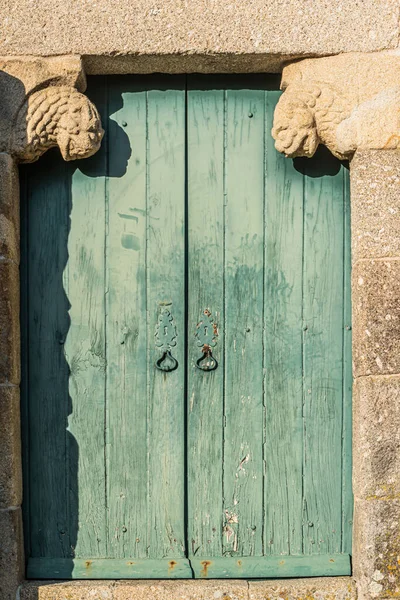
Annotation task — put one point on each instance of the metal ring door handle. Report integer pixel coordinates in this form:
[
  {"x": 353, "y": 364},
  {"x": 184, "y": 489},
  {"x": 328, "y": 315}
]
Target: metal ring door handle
[
  {"x": 167, "y": 362},
  {"x": 206, "y": 335},
  {"x": 207, "y": 362}
]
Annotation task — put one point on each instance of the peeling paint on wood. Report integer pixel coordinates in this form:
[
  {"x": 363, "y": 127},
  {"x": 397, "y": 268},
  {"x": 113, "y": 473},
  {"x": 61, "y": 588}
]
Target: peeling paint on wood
[
  {"x": 279, "y": 237},
  {"x": 187, "y": 208}
]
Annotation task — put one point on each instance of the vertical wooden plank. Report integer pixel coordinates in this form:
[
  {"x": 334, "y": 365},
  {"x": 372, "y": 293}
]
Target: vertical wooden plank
[
  {"x": 347, "y": 494},
  {"x": 283, "y": 350},
  {"x": 243, "y": 331},
  {"x": 206, "y": 292},
  {"x": 84, "y": 281},
  {"x": 322, "y": 354},
  {"x": 166, "y": 287},
  {"x": 46, "y": 370},
  {"x": 127, "y": 460}
]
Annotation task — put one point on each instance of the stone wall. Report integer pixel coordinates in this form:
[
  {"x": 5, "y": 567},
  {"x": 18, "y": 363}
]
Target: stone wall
[{"x": 350, "y": 102}]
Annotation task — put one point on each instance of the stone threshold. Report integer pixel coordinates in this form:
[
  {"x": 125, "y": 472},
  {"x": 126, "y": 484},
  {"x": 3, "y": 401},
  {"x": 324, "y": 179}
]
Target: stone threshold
[{"x": 321, "y": 588}]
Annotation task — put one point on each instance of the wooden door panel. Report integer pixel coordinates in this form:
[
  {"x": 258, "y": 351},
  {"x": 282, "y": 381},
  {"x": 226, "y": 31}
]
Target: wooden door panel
[
  {"x": 282, "y": 306},
  {"x": 106, "y": 472},
  {"x": 146, "y": 270},
  {"x": 242, "y": 471}
]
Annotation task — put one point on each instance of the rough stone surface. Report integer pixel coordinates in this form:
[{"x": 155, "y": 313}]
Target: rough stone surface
[
  {"x": 280, "y": 27},
  {"x": 40, "y": 107},
  {"x": 319, "y": 588},
  {"x": 181, "y": 590},
  {"x": 9, "y": 323},
  {"x": 9, "y": 209},
  {"x": 376, "y": 437},
  {"x": 376, "y": 317},
  {"x": 358, "y": 76},
  {"x": 11, "y": 553},
  {"x": 56, "y": 116},
  {"x": 21, "y": 76},
  {"x": 73, "y": 590},
  {"x": 185, "y": 63},
  {"x": 329, "y": 588},
  {"x": 32, "y": 72},
  {"x": 10, "y": 454},
  {"x": 346, "y": 102},
  {"x": 376, "y": 548},
  {"x": 375, "y": 204}
]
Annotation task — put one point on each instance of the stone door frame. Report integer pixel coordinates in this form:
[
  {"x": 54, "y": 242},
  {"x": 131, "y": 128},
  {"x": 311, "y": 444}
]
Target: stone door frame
[{"x": 347, "y": 102}]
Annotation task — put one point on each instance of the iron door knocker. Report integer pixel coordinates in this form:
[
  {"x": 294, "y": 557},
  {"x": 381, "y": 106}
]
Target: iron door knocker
[
  {"x": 206, "y": 334},
  {"x": 167, "y": 362},
  {"x": 207, "y": 362}
]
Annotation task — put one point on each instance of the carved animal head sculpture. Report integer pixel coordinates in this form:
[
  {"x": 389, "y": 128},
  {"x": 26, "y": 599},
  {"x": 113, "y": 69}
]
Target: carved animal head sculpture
[
  {"x": 295, "y": 130},
  {"x": 57, "y": 116},
  {"x": 307, "y": 115}
]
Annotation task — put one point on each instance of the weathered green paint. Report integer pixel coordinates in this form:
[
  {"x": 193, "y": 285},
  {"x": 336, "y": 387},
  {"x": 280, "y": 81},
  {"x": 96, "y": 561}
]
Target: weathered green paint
[
  {"x": 347, "y": 495},
  {"x": 187, "y": 209},
  {"x": 166, "y": 283},
  {"x": 127, "y": 369},
  {"x": 203, "y": 568},
  {"x": 323, "y": 331},
  {"x": 109, "y": 568},
  {"x": 262, "y": 567},
  {"x": 45, "y": 405},
  {"x": 283, "y": 354},
  {"x": 205, "y": 282},
  {"x": 84, "y": 344},
  {"x": 243, "y": 390}
]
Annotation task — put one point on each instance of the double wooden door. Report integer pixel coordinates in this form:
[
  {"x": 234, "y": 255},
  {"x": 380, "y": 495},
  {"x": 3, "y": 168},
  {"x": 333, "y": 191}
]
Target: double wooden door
[{"x": 186, "y": 344}]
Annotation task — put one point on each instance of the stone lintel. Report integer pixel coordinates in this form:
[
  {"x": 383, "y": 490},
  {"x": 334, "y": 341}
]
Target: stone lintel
[{"x": 199, "y": 27}]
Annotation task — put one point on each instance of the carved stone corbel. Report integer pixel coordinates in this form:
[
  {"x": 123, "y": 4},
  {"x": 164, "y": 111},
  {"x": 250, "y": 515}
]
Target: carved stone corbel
[
  {"x": 42, "y": 106},
  {"x": 348, "y": 102},
  {"x": 56, "y": 116}
]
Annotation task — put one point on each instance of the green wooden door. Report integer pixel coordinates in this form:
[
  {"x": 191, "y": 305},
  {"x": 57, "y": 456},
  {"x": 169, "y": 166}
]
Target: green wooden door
[{"x": 187, "y": 233}]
